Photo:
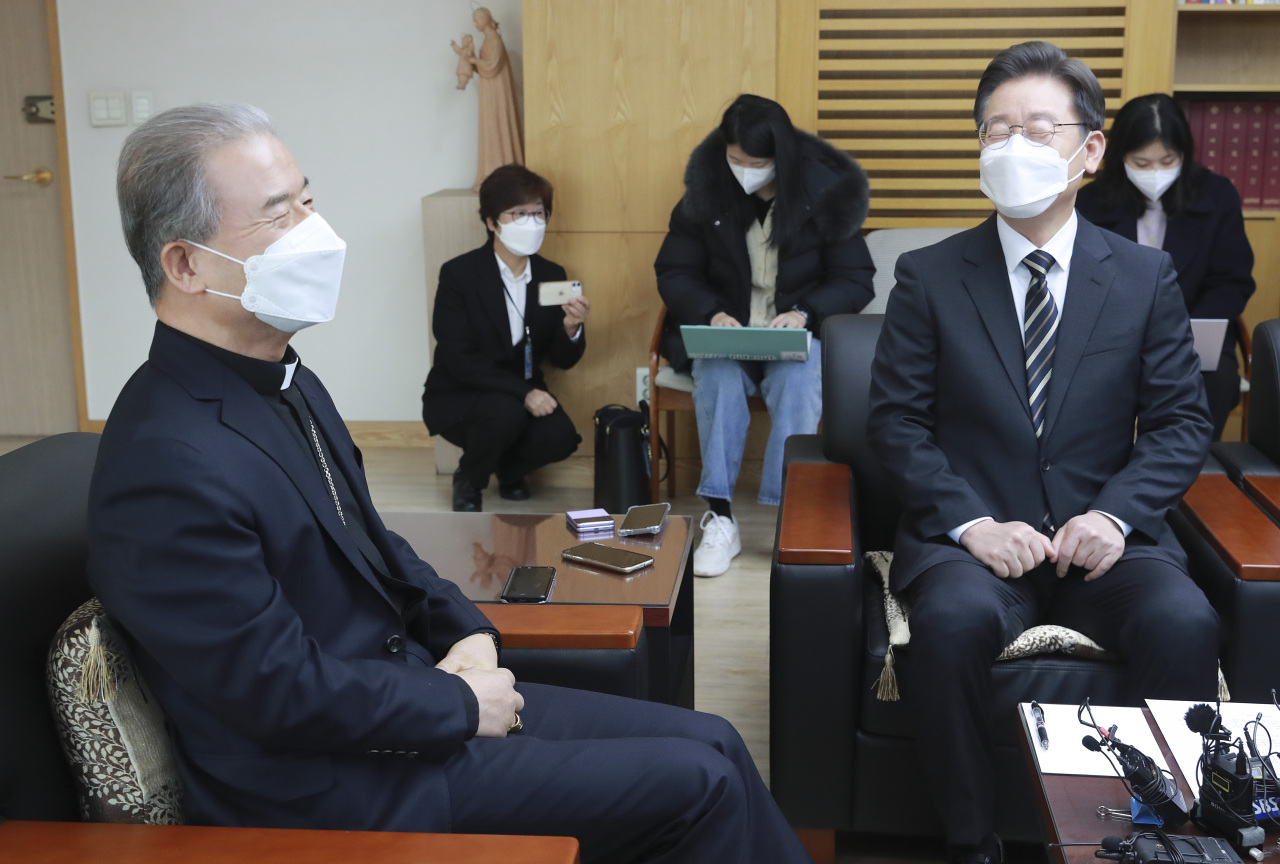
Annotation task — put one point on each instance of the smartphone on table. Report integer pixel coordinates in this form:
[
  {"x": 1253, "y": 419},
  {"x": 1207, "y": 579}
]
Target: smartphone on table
[
  {"x": 644, "y": 519},
  {"x": 585, "y": 521},
  {"x": 607, "y": 557},
  {"x": 529, "y": 585}
]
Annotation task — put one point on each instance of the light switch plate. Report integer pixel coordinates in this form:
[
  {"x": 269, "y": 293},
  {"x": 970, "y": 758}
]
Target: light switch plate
[
  {"x": 107, "y": 108},
  {"x": 141, "y": 106}
]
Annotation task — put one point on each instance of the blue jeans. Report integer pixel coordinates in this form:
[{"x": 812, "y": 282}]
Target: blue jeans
[{"x": 793, "y": 394}]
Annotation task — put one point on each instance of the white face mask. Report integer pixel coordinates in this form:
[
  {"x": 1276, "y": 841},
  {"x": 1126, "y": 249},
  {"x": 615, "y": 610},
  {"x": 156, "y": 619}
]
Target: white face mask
[
  {"x": 1153, "y": 183},
  {"x": 522, "y": 239},
  {"x": 294, "y": 282},
  {"x": 1023, "y": 179},
  {"x": 753, "y": 179}
]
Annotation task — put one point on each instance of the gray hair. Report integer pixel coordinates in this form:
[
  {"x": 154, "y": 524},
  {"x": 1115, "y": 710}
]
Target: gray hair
[{"x": 161, "y": 184}]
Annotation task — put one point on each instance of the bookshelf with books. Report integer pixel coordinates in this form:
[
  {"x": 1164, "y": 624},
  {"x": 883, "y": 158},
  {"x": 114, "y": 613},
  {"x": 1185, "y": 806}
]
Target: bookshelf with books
[{"x": 1225, "y": 71}]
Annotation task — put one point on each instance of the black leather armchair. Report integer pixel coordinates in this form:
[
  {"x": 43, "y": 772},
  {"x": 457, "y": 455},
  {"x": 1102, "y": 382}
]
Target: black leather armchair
[
  {"x": 44, "y": 490},
  {"x": 840, "y": 758},
  {"x": 1261, "y": 455},
  {"x": 44, "y": 493}
]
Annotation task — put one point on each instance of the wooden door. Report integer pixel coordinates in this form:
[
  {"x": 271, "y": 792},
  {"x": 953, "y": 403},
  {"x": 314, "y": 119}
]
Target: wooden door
[{"x": 37, "y": 378}]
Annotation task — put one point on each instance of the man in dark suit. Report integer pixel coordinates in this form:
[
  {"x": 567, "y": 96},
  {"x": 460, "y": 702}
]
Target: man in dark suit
[
  {"x": 485, "y": 391},
  {"x": 1015, "y": 360},
  {"x": 313, "y": 671}
]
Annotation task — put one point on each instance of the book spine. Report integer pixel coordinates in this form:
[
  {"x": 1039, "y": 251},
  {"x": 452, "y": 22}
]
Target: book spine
[
  {"x": 1255, "y": 147},
  {"x": 1213, "y": 132},
  {"x": 1233, "y": 144},
  {"x": 1271, "y": 158}
]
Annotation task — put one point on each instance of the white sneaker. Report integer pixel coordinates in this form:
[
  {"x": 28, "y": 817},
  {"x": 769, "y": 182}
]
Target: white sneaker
[{"x": 720, "y": 544}]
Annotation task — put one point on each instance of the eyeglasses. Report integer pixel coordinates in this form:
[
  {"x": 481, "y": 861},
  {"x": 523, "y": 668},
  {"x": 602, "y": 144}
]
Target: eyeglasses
[
  {"x": 994, "y": 133},
  {"x": 521, "y": 216}
]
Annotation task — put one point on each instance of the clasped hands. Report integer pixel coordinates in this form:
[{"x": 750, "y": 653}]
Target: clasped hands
[
  {"x": 475, "y": 660},
  {"x": 1091, "y": 540}
]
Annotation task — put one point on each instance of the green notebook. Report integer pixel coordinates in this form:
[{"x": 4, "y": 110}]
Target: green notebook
[{"x": 746, "y": 343}]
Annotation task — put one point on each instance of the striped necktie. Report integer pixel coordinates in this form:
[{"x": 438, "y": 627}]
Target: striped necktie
[{"x": 1040, "y": 333}]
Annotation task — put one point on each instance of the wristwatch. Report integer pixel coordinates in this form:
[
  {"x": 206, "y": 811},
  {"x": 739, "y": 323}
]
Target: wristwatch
[{"x": 803, "y": 314}]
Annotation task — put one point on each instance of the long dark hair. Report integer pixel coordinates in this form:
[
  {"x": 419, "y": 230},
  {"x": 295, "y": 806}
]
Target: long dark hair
[
  {"x": 1142, "y": 121},
  {"x": 762, "y": 129}
]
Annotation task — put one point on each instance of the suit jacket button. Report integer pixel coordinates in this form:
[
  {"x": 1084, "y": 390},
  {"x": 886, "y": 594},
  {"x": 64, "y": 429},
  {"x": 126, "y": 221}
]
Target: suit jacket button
[
  {"x": 394, "y": 644},
  {"x": 1044, "y": 465}
]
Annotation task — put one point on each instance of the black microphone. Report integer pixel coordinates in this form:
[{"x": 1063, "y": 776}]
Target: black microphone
[
  {"x": 1206, "y": 722},
  {"x": 1091, "y": 743},
  {"x": 1113, "y": 848}
]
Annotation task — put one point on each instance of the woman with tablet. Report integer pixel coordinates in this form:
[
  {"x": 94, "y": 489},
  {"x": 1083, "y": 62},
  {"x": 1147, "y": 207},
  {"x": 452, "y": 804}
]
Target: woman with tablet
[
  {"x": 766, "y": 235},
  {"x": 497, "y": 317},
  {"x": 1152, "y": 190}
]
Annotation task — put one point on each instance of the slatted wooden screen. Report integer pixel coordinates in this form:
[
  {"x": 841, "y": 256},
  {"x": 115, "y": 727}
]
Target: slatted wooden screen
[{"x": 895, "y": 81}]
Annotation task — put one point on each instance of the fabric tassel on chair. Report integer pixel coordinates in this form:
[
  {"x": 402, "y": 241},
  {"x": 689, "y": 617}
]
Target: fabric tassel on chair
[
  {"x": 887, "y": 683},
  {"x": 96, "y": 681}
]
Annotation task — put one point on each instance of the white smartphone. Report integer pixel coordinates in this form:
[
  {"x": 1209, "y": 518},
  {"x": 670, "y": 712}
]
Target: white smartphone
[
  {"x": 644, "y": 519},
  {"x": 608, "y": 557},
  {"x": 558, "y": 293}
]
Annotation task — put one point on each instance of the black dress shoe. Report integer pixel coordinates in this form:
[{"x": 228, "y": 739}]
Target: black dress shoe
[
  {"x": 466, "y": 497},
  {"x": 517, "y": 491}
]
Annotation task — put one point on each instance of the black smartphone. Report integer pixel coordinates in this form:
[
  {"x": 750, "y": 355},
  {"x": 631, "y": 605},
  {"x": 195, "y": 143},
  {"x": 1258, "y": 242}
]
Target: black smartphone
[{"x": 529, "y": 585}]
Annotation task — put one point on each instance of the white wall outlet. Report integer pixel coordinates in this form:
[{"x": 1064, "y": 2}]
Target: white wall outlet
[{"x": 642, "y": 384}]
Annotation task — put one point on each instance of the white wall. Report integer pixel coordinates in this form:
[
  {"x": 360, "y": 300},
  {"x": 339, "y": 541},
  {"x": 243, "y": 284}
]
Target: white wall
[{"x": 363, "y": 93}]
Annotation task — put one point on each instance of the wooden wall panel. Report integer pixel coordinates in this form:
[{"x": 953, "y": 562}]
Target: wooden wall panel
[
  {"x": 1148, "y": 51},
  {"x": 617, "y": 94},
  {"x": 616, "y": 270},
  {"x": 894, "y": 84}
]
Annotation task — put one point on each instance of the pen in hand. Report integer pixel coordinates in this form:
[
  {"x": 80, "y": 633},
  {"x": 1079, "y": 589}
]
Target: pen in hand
[{"x": 1042, "y": 733}]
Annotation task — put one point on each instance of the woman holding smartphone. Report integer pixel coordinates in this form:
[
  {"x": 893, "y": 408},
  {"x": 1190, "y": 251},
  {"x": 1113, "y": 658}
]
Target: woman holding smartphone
[
  {"x": 486, "y": 392},
  {"x": 766, "y": 235},
  {"x": 1152, "y": 190}
]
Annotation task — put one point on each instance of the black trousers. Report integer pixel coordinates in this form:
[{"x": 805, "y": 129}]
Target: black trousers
[
  {"x": 633, "y": 781},
  {"x": 962, "y": 617},
  {"x": 499, "y": 436}
]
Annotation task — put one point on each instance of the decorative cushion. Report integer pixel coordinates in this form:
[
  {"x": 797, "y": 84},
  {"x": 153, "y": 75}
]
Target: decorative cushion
[
  {"x": 111, "y": 727},
  {"x": 673, "y": 380},
  {"x": 1041, "y": 639}
]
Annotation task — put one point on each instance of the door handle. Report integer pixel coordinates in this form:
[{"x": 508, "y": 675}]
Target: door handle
[{"x": 40, "y": 177}]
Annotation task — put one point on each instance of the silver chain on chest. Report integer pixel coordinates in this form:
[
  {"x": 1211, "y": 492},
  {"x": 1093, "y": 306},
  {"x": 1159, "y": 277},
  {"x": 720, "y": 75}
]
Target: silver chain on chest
[{"x": 324, "y": 466}]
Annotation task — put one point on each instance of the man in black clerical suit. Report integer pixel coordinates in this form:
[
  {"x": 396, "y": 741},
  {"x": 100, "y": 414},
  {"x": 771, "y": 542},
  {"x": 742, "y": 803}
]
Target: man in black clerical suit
[
  {"x": 1015, "y": 360},
  {"x": 314, "y": 672}
]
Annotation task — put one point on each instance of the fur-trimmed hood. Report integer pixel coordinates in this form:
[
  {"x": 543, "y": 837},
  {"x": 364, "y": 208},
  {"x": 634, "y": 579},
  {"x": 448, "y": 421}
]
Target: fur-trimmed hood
[{"x": 834, "y": 184}]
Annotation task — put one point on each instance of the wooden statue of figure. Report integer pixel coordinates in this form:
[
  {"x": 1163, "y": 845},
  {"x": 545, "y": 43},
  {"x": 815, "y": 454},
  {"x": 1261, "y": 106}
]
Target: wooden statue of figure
[
  {"x": 466, "y": 57},
  {"x": 500, "y": 140}
]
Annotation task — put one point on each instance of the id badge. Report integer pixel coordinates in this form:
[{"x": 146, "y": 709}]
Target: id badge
[{"x": 528, "y": 356}]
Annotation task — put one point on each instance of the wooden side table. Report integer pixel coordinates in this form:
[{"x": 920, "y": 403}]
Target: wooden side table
[{"x": 98, "y": 843}]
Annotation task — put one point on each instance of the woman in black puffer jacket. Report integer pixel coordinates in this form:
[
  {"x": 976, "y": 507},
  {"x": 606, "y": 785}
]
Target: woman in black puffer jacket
[{"x": 766, "y": 235}]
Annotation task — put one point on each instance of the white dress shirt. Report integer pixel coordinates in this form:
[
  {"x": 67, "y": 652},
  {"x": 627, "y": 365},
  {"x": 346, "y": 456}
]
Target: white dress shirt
[
  {"x": 1016, "y": 248},
  {"x": 516, "y": 293},
  {"x": 1152, "y": 224}
]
